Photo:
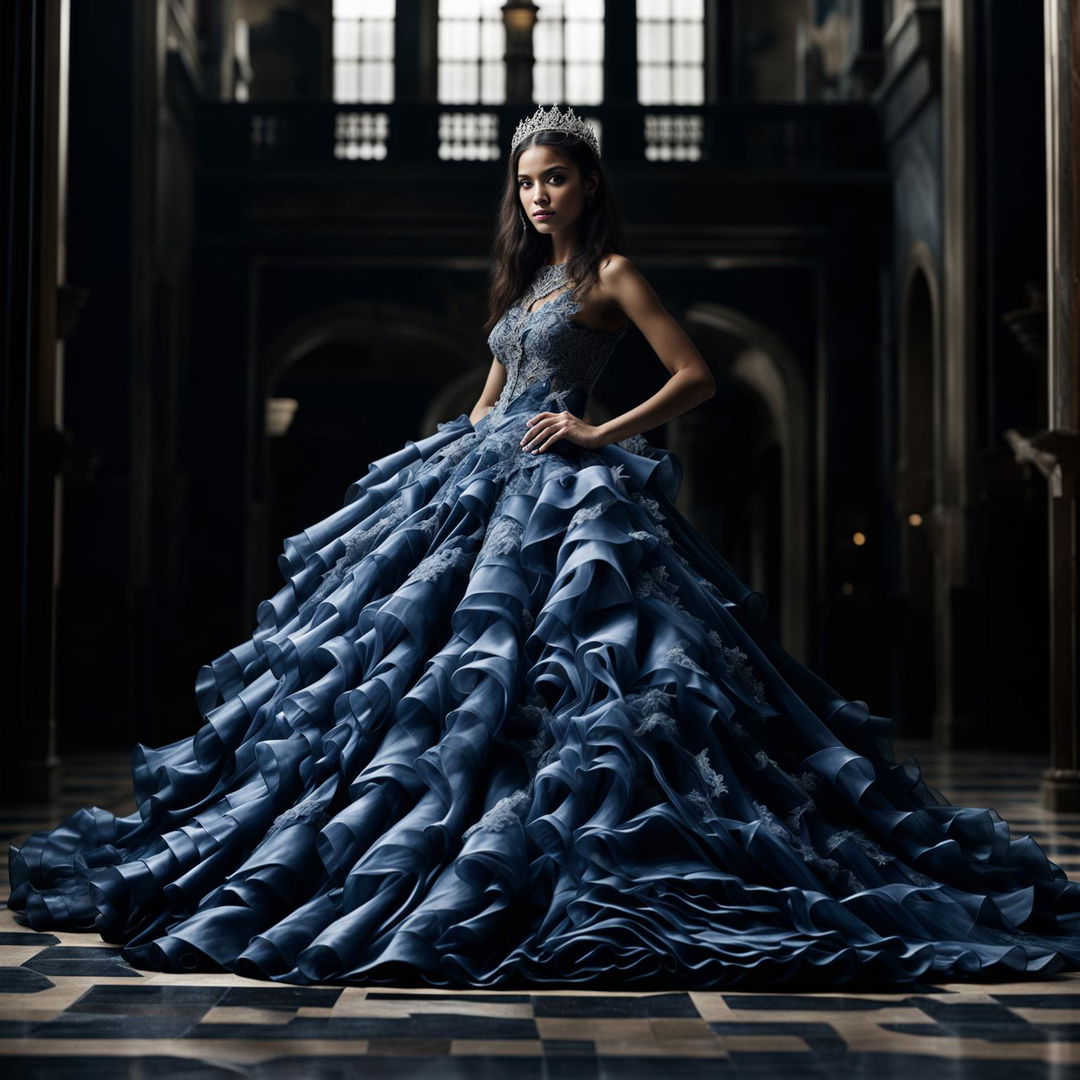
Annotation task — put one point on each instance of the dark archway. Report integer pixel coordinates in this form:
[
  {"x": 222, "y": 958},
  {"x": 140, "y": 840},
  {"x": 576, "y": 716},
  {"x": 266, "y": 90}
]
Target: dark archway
[
  {"x": 749, "y": 461},
  {"x": 732, "y": 461},
  {"x": 364, "y": 382}
]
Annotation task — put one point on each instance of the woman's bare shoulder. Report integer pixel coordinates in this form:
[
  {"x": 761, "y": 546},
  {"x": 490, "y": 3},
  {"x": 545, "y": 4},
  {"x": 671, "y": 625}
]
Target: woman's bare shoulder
[
  {"x": 617, "y": 275},
  {"x": 614, "y": 264}
]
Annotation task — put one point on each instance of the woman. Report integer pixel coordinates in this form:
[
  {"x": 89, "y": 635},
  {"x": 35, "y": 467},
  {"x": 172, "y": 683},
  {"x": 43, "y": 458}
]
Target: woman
[{"x": 512, "y": 721}]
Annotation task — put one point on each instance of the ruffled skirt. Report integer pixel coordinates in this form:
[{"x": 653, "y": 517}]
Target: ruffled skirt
[{"x": 511, "y": 721}]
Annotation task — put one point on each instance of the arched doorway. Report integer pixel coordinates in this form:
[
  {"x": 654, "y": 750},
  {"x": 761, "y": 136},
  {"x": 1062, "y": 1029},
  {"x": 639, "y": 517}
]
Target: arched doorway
[
  {"x": 364, "y": 380},
  {"x": 916, "y": 650},
  {"x": 746, "y": 454}
]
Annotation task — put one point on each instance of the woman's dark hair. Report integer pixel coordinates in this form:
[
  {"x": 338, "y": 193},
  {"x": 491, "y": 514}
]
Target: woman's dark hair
[{"x": 518, "y": 253}]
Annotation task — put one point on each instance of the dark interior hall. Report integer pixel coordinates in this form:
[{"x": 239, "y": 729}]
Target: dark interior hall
[{"x": 246, "y": 253}]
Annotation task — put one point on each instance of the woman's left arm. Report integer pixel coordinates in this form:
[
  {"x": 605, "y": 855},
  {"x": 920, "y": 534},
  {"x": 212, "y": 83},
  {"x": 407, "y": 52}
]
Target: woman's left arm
[{"x": 690, "y": 381}]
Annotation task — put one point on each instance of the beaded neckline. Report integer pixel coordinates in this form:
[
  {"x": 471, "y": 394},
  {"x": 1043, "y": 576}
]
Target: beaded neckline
[{"x": 547, "y": 279}]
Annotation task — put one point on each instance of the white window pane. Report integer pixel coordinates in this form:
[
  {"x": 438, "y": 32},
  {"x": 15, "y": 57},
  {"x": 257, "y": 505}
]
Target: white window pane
[
  {"x": 654, "y": 43},
  {"x": 653, "y": 9},
  {"x": 346, "y": 82},
  {"x": 585, "y": 41},
  {"x": 652, "y": 84},
  {"x": 597, "y": 34},
  {"x": 575, "y": 50},
  {"x": 689, "y": 9},
  {"x": 446, "y": 40},
  {"x": 457, "y": 9},
  {"x": 385, "y": 69},
  {"x": 473, "y": 37},
  {"x": 547, "y": 40},
  {"x": 382, "y": 39},
  {"x": 364, "y": 9},
  {"x": 467, "y": 39},
  {"x": 588, "y": 9},
  {"x": 492, "y": 40},
  {"x": 687, "y": 44},
  {"x": 578, "y": 83},
  {"x": 493, "y": 82},
  {"x": 547, "y": 83},
  {"x": 468, "y": 83},
  {"x": 369, "y": 81},
  {"x": 454, "y": 82},
  {"x": 689, "y": 88},
  {"x": 462, "y": 40},
  {"x": 452, "y": 92},
  {"x": 592, "y": 92},
  {"x": 445, "y": 83},
  {"x": 346, "y": 40}
]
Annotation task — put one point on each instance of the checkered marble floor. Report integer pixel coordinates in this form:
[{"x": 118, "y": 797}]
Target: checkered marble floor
[{"x": 71, "y": 1007}]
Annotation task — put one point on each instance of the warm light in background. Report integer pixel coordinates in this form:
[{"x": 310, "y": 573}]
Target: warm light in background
[
  {"x": 519, "y": 16},
  {"x": 914, "y": 519},
  {"x": 279, "y": 415},
  {"x": 858, "y": 539}
]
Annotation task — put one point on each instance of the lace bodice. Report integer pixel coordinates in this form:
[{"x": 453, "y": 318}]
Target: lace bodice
[{"x": 547, "y": 342}]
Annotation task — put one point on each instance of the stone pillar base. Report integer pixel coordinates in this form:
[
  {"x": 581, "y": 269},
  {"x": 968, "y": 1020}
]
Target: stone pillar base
[{"x": 1060, "y": 790}]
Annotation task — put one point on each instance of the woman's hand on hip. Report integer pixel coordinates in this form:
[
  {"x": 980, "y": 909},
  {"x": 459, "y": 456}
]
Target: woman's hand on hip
[{"x": 546, "y": 428}]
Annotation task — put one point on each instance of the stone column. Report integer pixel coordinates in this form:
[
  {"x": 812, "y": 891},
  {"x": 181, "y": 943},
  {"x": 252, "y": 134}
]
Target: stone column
[
  {"x": 954, "y": 390},
  {"x": 623, "y": 135},
  {"x": 35, "y": 36},
  {"x": 217, "y": 22},
  {"x": 1059, "y": 446}
]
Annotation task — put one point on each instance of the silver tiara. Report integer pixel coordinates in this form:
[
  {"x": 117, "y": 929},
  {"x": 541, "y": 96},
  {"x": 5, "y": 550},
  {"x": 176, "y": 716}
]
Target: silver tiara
[{"x": 553, "y": 120}]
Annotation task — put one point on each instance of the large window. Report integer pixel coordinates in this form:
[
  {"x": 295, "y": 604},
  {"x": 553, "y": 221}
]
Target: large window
[
  {"x": 364, "y": 50},
  {"x": 472, "y": 42},
  {"x": 568, "y": 46},
  {"x": 671, "y": 52},
  {"x": 568, "y": 43},
  {"x": 568, "y": 49}
]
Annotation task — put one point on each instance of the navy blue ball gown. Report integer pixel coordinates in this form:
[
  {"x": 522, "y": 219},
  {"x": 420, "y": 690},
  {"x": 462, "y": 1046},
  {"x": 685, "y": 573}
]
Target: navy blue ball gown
[{"x": 511, "y": 721}]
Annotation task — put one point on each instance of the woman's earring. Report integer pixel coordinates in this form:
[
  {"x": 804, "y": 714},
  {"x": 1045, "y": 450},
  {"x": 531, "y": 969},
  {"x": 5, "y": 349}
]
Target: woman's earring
[{"x": 522, "y": 216}]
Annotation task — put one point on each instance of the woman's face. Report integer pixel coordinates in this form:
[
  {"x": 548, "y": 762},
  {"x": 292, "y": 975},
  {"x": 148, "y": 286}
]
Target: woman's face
[{"x": 549, "y": 182}]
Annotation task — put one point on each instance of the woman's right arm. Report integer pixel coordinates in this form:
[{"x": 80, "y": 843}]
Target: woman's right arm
[{"x": 496, "y": 380}]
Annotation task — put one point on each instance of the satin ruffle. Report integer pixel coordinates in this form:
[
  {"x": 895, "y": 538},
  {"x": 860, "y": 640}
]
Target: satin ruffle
[{"x": 510, "y": 720}]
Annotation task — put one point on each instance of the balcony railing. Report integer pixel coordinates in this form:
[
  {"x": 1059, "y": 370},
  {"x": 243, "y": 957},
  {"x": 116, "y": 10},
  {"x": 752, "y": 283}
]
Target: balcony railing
[{"x": 840, "y": 136}]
